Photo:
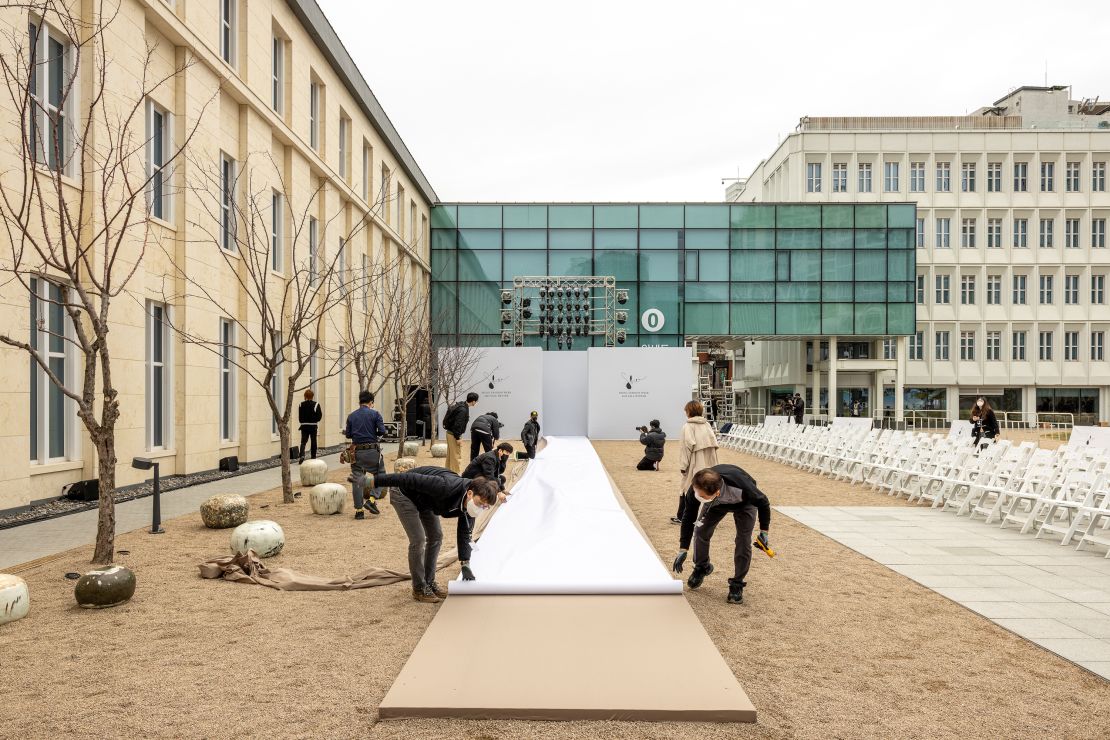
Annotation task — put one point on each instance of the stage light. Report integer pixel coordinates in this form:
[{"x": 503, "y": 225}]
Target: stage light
[
  {"x": 506, "y": 317},
  {"x": 622, "y": 335},
  {"x": 506, "y": 338},
  {"x": 622, "y": 317},
  {"x": 527, "y": 313},
  {"x": 527, "y": 302},
  {"x": 506, "y": 297},
  {"x": 622, "y": 297}
]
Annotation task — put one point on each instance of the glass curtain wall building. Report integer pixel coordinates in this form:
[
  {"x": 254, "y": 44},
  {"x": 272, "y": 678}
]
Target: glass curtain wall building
[{"x": 712, "y": 270}]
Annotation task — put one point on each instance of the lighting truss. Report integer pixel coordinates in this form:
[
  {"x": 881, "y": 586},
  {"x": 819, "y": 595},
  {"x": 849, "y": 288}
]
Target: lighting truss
[{"x": 568, "y": 308}]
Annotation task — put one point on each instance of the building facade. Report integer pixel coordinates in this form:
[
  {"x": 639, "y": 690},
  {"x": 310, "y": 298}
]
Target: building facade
[
  {"x": 260, "y": 80},
  {"x": 1011, "y": 243}
]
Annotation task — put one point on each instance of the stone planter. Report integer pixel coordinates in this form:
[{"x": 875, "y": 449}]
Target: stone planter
[
  {"x": 410, "y": 449},
  {"x": 439, "y": 449},
  {"x": 105, "y": 587},
  {"x": 313, "y": 472},
  {"x": 403, "y": 464},
  {"x": 266, "y": 538},
  {"x": 221, "y": 512},
  {"x": 15, "y": 599},
  {"x": 327, "y": 498}
]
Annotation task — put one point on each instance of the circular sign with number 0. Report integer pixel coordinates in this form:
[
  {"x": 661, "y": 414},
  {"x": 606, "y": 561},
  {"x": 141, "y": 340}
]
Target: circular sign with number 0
[{"x": 652, "y": 320}]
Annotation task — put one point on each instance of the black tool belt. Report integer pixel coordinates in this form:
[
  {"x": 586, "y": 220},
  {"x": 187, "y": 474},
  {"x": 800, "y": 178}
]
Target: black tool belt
[{"x": 368, "y": 446}]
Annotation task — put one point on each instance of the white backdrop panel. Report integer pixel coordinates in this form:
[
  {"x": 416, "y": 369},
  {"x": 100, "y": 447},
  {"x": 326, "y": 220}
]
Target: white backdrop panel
[
  {"x": 508, "y": 380},
  {"x": 564, "y": 394},
  {"x": 629, "y": 386}
]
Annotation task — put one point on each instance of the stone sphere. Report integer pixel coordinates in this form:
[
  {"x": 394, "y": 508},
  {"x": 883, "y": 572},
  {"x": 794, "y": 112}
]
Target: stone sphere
[
  {"x": 221, "y": 512},
  {"x": 327, "y": 498},
  {"x": 266, "y": 538},
  {"x": 403, "y": 464},
  {"x": 105, "y": 587},
  {"x": 15, "y": 599},
  {"x": 410, "y": 449},
  {"x": 439, "y": 449},
  {"x": 313, "y": 472}
]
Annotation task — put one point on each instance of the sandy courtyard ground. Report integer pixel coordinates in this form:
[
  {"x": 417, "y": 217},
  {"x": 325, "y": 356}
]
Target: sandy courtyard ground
[{"x": 827, "y": 644}]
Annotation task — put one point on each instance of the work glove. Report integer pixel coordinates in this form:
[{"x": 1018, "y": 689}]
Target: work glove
[
  {"x": 764, "y": 539},
  {"x": 467, "y": 573},
  {"x": 678, "y": 561}
]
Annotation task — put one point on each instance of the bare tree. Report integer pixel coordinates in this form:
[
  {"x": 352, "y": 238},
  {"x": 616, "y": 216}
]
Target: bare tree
[
  {"x": 76, "y": 207},
  {"x": 454, "y": 370},
  {"x": 406, "y": 350}
]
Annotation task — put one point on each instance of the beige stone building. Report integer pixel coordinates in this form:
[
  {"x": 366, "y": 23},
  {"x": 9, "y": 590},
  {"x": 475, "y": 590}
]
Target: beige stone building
[{"x": 267, "y": 79}]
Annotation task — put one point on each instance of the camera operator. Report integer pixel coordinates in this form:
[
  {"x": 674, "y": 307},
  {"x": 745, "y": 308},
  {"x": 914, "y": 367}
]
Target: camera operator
[{"x": 653, "y": 440}]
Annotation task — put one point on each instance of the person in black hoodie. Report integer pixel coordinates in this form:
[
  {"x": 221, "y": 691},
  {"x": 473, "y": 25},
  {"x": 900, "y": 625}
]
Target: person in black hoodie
[
  {"x": 309, "y": 414},
  {"x": 715, "y": 493},
  {"x": 490, "y": 464},
  {"x": 420, "y": 498},
  {"x": 454, "y": 427},
  {"x": 653, "y": 440},
  {"x": 530, "y": 434},
  {"x": 485, "y": 430}
]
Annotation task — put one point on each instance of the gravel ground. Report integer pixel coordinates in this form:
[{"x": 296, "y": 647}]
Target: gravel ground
[{"x": 827, "y": 643}]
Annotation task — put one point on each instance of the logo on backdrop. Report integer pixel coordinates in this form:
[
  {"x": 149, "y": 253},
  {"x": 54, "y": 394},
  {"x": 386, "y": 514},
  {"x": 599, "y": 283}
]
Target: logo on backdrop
[
  {"x": 494, "y": 385},
  {"x": 652, "y": 320},
  {"x": 630, "y": 383},
  {"x": 494, "y": 379}
]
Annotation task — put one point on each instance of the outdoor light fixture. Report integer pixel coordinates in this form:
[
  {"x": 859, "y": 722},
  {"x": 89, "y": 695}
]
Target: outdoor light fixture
[
  {"x": 622, "y": 297},
  {"x": 526, "y": 314},
  {"x": 622, "y": 336},
  {"x": 145, "y": 463},
  {"x": 506, "y": 338},
  {"x": 622, "y": 317},
  {"x": 506, "y": 297},
  {"x": 506, "y": 317}
]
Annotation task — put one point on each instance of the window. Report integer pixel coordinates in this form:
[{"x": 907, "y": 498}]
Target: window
[
  {"x": 994, "y": 290},
  {"x": 1071, "y": 177},
  {"x": 50, "y": 135},
  {"x": 227, "y": 381},
  {"x": 864, "y": 176},
  {"x": 1071, "y": 346},
  {"x": 967, "y": 290},
  {"x": 840, "y": 177},
  {"x": 384, "y": 194},
  {"x": 917, "y": 177},
  {"x": 1021, "y": 177},
  {"x": 278, "y": 75},
  {"x": 277, "y": 353},
  {"x": 944, "y": 177},
  {"x": 917, "y": 346},
  {"x": 1047, "y": 227},
  {"x": 400, "y": 212},
  {"x": 1071, "y": 289},
  {"x": 227, "y": 31},
  {"x": 227, "y": 203},
  {"x": 412, "y": 223},
  {"x": 159, "y": 385},
  {"x": 367, "y": 168},
  {"x": 313, "y": 248},
  {"x": 921, "y": 290},
  {"x": 942, "y": 289},
  {"x": 994, "y": 233},
  {"x": 1046, "y": 290},
  {"x": 365, "y": 284},
  {"x": 1048, "y": 177},
  {"x": 942, "y": 345},
  {"x": 1021, "y": 233},
  {"x": 967, "y": 177},
  {"x": 967, "y": 345},
  {"x": 967, "y": 233},
  {"x": 813, "y": 177},
  {"x": 1097, "y": 344},
  {"x": 344, "y": 146},
  {"x": 890, "y": 349},
  {"x": 342, "y": 382},
  {"x": 51, "y": 413},
  {"x": 341, "y": 267},
  {"x": 994, "y": 177},
  {"x": 1019, "y": 290},
  {"x": 890, "y": 177},
  {"x": 1017, "y": 345},
  {"x": 1098, "y": 176},
  {"x": 994, "y": 345},
  {"x": 277, "y": 230},
  {"x": 1044, "y": 346},
  {"x": 944, "y": 233},
  {"x": 1071, "y": 233},
  {"x": 1098, "y": 233},
  {"x": 314, "y": 115},
  {"x": 920, "y": 233},
  {"x": 313, "y": 364},
  {"x": 157, "y": 153},
  {"x": 1098, "y": 292}
]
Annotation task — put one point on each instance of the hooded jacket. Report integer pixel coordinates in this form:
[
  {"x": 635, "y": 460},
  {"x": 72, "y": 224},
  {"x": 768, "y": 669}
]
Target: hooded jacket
[
  {"x": 456, "y": 419},
  {"x": 530, "y": 434},
  {"x": 699, "y": 449},
  {"x": 653, "y": 441},
  {"x": 487, "y": 424}
]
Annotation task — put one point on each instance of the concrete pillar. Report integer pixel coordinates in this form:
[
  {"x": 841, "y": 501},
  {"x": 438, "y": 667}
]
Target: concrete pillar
[
  {"x": 816, "y": 381},
  {"x": 900, "y": 382},
  {"x": 876, "y": 405},
  {"x": 832, "y": 378}
]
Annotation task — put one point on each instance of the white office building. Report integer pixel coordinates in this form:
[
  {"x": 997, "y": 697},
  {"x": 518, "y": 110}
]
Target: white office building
[{"x": 1012, "y": 259}]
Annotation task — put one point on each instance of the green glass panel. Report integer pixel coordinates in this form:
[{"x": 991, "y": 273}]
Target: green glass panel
[
  {"x": 782, "y": 266},
  {"x": 902, "y": 318},
  {"x": 445, "y": 308},
  {"x": 444, "y": 239},
  {"x": 871, "y": 216},
  {"x": 655, "y": 266},
  {"x": 837, "y": 217},
  {"x": 797, "y": 318},
  {"x": 794, "y": 292},
  {"x": 661, "y": 217},
  {"x": 901, "y": 216},
  {"x": 706, "y": 239},
  {"x": 713, "y": 266},
  {"x": 753, "y": 239},
  {"x": 838, "y": 239},
  {"x": 663, "y": 297},
  {"x": 805, "y": 265},
  {"x": 900, "y": 238},
  {"x": 703, "y": 292},
  {"x": 753, "y": 318},
  {"x": 870, "y": 265},
  {"x": 480, "y": 239},
  {"x": 571, "y": 238},
  {"x": 899, "y": 265},
  {"x": 870, "y": 238},
  {"x": 479, "y": 308},
  {"x": 619, "y": 264},
  {"x": 519, "y": 264},
  {"x": 837, "y": 265},
  {"x": 799, "y": 239},
  {"x": 870, "y": 291},
  {"x": 691, "y": 273},
  {"x": 752, "y": 266},
  {"x": 836, "y": 318},
  {"x": 445, "y": 217},
  {"x": 615, "y": 239},
  {"x": 752, "y": 292},
  {"x": 799, "y": 217},
  {"x": 444, "y": 266},
  {"x": 570, "y": 263},
  {"x": 836, "y": 292},
  {"x": 480, "y": 265},
  {"x": 707, "y": 217},
  {"x": 525, "y": 239},
  {"x": 570, "y": 217},
  {"x": 615, "y": 217},
  {"x": 899, "y": 292},
  {"x": 870, "y": 318},
  {"x": 525, "y": 217},
  {"x": 659, "y": 239},
  {"x": 479, "y": 217},
  {"x": 706, "y": 318},
  {"x": 752, "y": 217}
]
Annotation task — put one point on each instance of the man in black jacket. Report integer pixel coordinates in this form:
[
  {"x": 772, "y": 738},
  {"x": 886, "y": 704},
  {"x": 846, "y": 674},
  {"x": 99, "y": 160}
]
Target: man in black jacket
[
  {"x": 420, "y": 498},
  {"x": 717, "y": 491},
  {"x": 490, "y": 464},
  {"x": 530, "y": 434},
  {"x": 309, "y": 414},
  {"x": 799, "y": 408},
  {"x": 653, "y": 440},
  {"x": 454, "y": 426},
  {"x": 485, "y": 430}
]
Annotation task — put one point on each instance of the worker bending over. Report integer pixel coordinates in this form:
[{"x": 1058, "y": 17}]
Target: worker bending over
[{"x": 490, "y": 464}]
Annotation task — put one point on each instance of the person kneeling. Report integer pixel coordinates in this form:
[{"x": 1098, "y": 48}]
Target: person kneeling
[
  {"x": 653, "y": 440},
  {"x": 715, "y": 492},
  {"x": 490, "y": 464},
  {"x": 422, "y": 496}
]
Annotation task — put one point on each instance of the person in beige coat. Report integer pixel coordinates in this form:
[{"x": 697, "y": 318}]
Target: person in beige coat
[{"x": 697, "y": 451}]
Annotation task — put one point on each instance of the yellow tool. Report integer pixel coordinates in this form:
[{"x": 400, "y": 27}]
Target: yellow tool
[{"x": 764, "y": 548}]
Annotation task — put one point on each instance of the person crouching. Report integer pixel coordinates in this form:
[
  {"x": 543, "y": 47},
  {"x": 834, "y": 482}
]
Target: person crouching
[{"x": 652, "y": 439}]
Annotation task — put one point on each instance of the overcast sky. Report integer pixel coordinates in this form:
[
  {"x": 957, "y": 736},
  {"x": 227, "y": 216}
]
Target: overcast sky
[{"x": 646, "y": 100}]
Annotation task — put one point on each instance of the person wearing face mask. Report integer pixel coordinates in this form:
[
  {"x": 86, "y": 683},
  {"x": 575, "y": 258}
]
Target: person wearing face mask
[
  {"x": 714, "y": 493},
  {"x": 421, "y": 497},
  {"x": 988, "y": 424},
  {"x": 490, "y": 464}
]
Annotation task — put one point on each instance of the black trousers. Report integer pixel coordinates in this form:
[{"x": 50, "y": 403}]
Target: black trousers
[
  {"x": 307, "y": 434},
  {"x": 742, "y": 556},
  {"x": 531, "y": 450},
  {"x": 646, "y": 464},
  {"x": 479, "y": 443},
  {"x": 681, "y": 506}
]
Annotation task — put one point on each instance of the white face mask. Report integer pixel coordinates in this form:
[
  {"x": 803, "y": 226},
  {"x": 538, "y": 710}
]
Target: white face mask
[
  {"x": 979, "y": 404},
  {"x": 472, "y": 508},
  {"x": 699, "y": 498}
]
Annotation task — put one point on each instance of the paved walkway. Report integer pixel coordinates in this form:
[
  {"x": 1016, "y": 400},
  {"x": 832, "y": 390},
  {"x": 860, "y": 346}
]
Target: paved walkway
[
  {"x": 1053, "y": 596},
  {"x": 40, "y": 539}
]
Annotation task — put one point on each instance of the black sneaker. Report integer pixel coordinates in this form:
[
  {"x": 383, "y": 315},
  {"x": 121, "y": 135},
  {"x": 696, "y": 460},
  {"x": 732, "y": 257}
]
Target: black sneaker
[
  {"x": 371, "y": 506},
  {"x": 360, "y": 514},
  {"x": 675, "y": 520},
  {"x": 735, "y": 593},
  {"x": 699, "y": 575}
]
